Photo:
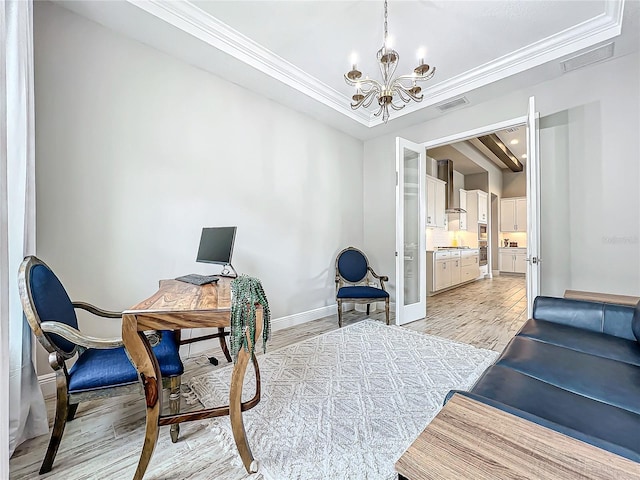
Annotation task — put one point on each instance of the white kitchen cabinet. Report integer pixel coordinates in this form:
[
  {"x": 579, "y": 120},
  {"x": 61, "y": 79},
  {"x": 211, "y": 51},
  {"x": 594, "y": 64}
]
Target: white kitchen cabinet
[
  {"x": 477, "y": 208},
  {"x": 520, "y": 262},
  {"x": 483, "y": 206},
  {"x": 449, "y": 268},
  {"x": 469, "y": 265},
  {"x": 513, "y": 214},
  {"x": 454, "y": 267},
  {"x": 436, "y": 218},
  {"x": 513, "y": 260}
]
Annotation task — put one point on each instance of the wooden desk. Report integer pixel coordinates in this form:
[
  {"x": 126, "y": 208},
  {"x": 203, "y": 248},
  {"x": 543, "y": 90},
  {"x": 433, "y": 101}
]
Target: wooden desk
[
  {"x": 178, "y": 305},
  {"x": 469, "y": 439}
]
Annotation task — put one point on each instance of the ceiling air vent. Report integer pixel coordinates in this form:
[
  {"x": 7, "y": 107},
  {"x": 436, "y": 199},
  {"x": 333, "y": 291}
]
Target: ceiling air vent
[
  {"x": 587, "y": 58},
  {"x": 448, "y": 105}
]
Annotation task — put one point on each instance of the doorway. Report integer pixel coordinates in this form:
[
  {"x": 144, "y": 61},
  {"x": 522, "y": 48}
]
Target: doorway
[{"x": 494, "y": 189}]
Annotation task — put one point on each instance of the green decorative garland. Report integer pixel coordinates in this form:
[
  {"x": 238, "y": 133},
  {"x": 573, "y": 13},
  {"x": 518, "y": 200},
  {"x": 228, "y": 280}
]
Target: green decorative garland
[{"x": 246, "y": 292}]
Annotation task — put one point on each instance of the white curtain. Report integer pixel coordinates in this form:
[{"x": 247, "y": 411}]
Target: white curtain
[{"x": 26, "y": 410}]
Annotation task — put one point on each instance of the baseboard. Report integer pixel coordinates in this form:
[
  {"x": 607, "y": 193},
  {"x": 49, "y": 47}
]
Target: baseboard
[
  {"x": 303, "y": 317},
  {"x": 276, "y": 324},
  {"x": 47, "y": 383}
]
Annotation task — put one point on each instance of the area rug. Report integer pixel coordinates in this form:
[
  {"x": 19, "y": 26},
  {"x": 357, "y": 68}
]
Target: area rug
[{"x": 345, "y": 404}]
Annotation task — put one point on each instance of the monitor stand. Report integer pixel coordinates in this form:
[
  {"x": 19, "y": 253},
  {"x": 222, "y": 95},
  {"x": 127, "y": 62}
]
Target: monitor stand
[{"x": 228, "y": 271}]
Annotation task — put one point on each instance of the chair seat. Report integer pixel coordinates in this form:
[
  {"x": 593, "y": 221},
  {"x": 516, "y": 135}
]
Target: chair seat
[
  {"x": 361, "y": 291},
  {"x": 97, "y": 368}
]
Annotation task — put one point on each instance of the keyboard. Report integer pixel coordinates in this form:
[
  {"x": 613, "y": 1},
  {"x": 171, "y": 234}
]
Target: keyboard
[{"x": 196, "y": 279}]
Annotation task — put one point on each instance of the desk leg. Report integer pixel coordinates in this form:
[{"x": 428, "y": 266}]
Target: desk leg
[
  {"x": 235, "y": 400},
  {"x": 141, "y": 355},
  {"x": 223, "y": 344}
]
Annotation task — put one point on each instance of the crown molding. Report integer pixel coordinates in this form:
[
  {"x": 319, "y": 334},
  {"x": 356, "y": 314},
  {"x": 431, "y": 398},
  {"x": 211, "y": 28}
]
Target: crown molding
[
  {"x": 200, "y": 24},
  {"x": 205, "y": 27}
]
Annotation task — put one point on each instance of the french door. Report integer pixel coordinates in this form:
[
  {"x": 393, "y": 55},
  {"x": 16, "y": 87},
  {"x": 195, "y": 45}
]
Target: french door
[
  {"x": 411, "y": 255},
  {"x": 533, "y": 205}
]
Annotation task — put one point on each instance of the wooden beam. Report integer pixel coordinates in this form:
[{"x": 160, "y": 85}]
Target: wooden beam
[{"x": 500, "y": 150}]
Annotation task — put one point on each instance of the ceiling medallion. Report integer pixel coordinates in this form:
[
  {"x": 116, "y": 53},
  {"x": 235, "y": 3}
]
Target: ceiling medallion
[{"x": 403, "y": 87}]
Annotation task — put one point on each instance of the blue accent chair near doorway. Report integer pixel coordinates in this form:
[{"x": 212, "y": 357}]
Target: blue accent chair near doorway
[{"x": 354, "y": 279}]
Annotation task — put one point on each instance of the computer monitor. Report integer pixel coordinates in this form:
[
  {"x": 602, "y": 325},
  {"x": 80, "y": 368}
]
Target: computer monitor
[{"x": 216, "y": 245}]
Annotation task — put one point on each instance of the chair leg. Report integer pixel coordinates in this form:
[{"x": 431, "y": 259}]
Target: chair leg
[
  {"x": 340, "y": 313},
  {"x": 62, "y": 413},
  {"x": 72, "y": 411},
  {"x": 368, "y": 305},
  {"x": 386, "y": 309},
  {"x": 174, "y": 405}
]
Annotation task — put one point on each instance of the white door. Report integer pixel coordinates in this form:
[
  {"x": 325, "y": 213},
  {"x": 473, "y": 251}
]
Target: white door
[
  {"x": 411, "y": 255},
  {"x": 533, "y": 205}
]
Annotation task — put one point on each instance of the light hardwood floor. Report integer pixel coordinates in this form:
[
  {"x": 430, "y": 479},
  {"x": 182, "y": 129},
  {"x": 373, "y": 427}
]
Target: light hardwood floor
[{"x": 105, "y": 438}]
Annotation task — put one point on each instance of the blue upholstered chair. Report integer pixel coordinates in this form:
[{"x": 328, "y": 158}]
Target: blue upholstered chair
[
  {"x": 102, "y": 367},
  {"x": 353, "y": 281}
]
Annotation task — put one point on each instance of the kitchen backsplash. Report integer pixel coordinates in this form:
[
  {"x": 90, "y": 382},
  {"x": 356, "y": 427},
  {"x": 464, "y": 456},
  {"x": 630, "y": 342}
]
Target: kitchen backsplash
[
  {"x": 437, "y": 237},
  {"x": 518, "y": 237}
]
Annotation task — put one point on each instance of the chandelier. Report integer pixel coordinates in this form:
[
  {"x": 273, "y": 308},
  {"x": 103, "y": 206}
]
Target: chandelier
[{"x": 403, "y": 87}]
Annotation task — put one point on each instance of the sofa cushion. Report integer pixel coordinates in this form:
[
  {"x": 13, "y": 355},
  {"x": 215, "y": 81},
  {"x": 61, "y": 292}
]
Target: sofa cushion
[
  {"x": 603, "y": 425},
  {"x": 618, "y": 321},
  {"x": 601, "y": 345},
  {"x": 635, "y": 323},
  {"x": 607, "y": 381},
  {"x": 109, "y": 368}
]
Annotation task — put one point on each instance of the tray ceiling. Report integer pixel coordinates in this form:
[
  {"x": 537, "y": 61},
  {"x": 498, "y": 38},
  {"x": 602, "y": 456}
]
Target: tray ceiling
[{"x": 296, "y": 52}]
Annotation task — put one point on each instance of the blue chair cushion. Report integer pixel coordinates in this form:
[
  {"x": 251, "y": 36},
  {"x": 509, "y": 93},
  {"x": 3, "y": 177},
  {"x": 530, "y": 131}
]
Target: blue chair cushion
[
  {"x": 52, "y": 303},
  {"x": 352, "y": 265},
  {"x": 96, "y": 368},
  {"x": 361, "y": 291}
]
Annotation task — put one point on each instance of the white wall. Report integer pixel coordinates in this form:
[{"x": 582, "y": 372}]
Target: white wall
[
  {"x": 599, "y": 198},
  {"x": 137, "y": 151},
  {"x": 514, "y": 184}
]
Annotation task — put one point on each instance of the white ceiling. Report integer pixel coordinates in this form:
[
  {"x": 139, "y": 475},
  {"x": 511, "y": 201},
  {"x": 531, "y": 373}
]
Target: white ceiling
[{"x": 296, "y": 52}]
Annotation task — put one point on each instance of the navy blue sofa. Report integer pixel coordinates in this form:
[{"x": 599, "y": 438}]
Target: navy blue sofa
[{"x": 574, "y": 368}]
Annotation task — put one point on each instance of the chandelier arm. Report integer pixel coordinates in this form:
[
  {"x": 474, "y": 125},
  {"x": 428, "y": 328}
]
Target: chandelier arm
[
  {"x": 416, "y": 78},
  {"x": 377, "y": 114},
  {"x": 397, "y": 107},
  {"x": 361, "y": 102},
  {"x": 401, "y": 89},
  {"x": 404, "y": 95},
  {"x": 370, "y": 101},
  {"x": 363, "y": 83}
]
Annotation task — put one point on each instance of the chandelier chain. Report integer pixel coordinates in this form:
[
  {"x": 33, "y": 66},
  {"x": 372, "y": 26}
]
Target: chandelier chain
[{"x": 385, "y": 23}]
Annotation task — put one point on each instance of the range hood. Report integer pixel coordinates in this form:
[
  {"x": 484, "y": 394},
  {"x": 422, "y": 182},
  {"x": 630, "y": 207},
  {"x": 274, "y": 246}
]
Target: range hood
[{"x": 451, "y": 200}]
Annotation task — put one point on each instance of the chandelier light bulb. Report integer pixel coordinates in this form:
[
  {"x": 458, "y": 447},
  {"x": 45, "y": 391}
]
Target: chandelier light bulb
[{"x": 390, "y": 89}]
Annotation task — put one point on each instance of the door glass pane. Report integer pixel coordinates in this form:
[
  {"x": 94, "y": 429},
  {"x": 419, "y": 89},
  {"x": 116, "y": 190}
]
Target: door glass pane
[{"x": 411, "y": 226}]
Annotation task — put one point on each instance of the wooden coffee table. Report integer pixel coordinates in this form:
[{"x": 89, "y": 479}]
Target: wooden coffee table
[{"x": 469, "y": 439}]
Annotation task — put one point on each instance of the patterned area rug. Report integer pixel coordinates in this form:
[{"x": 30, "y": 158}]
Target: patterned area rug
[{"x": 345, "y": 404}]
